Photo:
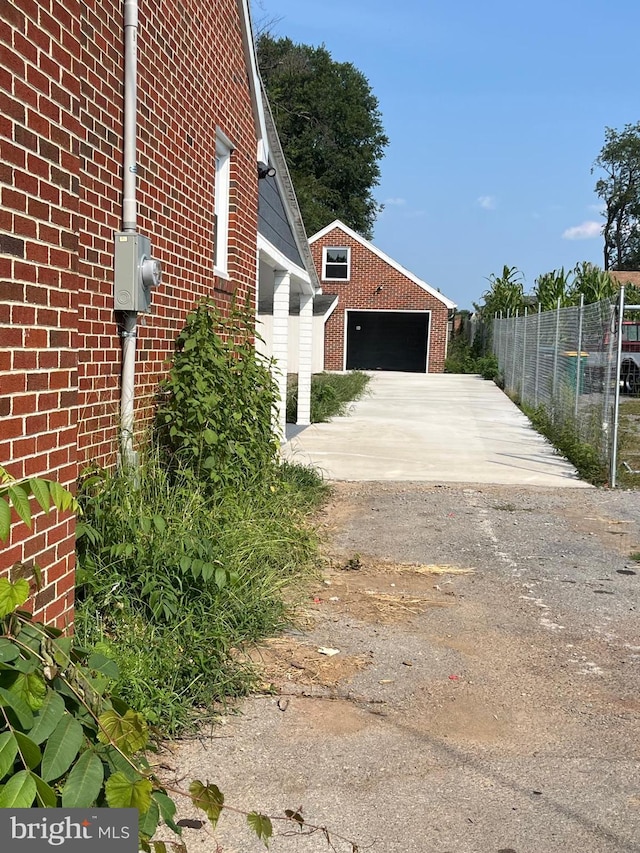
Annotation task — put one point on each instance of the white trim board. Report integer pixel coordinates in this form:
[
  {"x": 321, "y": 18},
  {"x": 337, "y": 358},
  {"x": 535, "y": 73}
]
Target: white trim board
[{"x": 384, "y": 257}]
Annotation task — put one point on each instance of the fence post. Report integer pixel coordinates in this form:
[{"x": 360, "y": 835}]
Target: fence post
[
  {"x": 616, "y": 399},
  {"x": 513, "y": 344},
  {"x": 579, "y": 356},
  {"x": 555, "y": 353},
  {"x": 524, "y": 353},
  {"x": 535, "y": 388}
]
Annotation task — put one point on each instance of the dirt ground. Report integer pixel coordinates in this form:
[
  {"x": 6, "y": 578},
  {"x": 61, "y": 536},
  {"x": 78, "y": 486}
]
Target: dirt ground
[{"x": 464, "y": 678}]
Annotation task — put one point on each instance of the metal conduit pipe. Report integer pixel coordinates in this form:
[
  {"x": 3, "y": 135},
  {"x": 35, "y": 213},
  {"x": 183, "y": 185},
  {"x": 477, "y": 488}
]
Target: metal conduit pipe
[{"x": 129, "y": 224}]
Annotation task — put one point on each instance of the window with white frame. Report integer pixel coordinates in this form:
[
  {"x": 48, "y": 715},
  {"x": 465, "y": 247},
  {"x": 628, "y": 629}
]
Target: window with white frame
[
  {"x": 336, "y": 261},
  {"x": 221, "y": 204}
]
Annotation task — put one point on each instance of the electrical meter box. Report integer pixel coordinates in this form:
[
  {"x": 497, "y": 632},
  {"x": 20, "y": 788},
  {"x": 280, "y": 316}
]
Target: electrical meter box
[{"x": 136, "y": 273}]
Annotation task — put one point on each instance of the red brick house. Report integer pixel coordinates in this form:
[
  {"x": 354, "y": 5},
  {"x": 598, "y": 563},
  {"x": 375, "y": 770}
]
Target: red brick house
[
  {"x": 201, "y": 145},
  {"x": 386, "y": 318}
]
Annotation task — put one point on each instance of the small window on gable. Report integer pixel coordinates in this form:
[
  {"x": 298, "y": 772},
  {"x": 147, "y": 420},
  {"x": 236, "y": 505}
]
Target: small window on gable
[
  {"x": 336, "y": 263},
  {"x": 221, "y": 204}
]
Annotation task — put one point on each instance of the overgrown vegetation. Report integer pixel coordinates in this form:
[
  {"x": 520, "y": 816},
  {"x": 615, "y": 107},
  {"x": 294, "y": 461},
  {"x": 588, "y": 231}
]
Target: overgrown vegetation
[
  {"x": 187, "y": 559},
  {"x": 67, "y": 738},
  {"x": 215, "y": 415},
  {"x": 462, "y": 357},
  {"x": 174, "y": 579},
  {"x": 331, "y": 394},
  {"x": 564, "y": 435}
]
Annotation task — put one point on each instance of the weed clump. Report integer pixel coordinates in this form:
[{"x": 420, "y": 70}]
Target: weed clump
[
  {"x": 191, "y": 556},
  {"x": 565, "y": 437},
  {"x": 331, "y": 394}
]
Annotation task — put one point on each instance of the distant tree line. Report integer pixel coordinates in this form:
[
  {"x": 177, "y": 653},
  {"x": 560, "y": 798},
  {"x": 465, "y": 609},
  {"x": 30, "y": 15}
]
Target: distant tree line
[{"x": 506, "y": 293}]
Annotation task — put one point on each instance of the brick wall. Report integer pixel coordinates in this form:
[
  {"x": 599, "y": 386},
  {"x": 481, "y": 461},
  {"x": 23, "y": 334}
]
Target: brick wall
[
  {"x": 367, "y": 272},
  {"x": 61, "y": 70}
]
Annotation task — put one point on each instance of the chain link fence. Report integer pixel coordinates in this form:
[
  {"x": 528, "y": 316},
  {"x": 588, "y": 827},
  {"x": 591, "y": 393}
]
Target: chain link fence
[{"x": 565, "y": 361}]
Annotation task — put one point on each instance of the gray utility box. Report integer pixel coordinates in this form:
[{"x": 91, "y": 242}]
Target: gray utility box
[{"x": 135, "y": 272}]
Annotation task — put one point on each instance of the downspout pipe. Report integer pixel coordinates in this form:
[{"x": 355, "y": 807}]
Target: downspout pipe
[{"x": 129, "y": 224}]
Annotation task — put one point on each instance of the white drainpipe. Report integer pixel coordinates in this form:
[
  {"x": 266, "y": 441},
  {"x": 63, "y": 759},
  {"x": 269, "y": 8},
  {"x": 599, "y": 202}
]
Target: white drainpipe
[{"x": 129, "y": 224}]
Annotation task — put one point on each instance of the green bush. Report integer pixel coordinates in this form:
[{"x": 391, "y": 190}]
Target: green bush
[
  {"x": 216, "y": 408},
  {"x": 331, "y": 394},
  {"x": 463, "y": 358}
]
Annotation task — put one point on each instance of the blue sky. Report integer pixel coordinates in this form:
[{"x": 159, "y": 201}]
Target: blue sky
[{"x": 495, "y": 112}]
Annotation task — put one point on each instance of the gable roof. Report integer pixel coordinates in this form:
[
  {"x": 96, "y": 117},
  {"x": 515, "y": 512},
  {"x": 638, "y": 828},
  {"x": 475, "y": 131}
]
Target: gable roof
[{"x": 384, "y": 257}]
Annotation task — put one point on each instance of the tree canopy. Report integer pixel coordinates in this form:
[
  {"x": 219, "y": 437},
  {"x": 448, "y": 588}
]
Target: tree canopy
[
  {"x": 331, "y": 131},
  {"x": 619, "y": 159}
]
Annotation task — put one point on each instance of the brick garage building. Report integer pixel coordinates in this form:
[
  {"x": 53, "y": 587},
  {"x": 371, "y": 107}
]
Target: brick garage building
[
  {"x": 386, "y": 317},
  {"x": 61, "y": 139}
]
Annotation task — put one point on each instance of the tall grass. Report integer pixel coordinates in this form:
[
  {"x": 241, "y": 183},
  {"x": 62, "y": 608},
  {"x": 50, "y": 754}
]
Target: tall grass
[
  {"x": 173, "y": 581},
  {"x": 331, "y": 394}
]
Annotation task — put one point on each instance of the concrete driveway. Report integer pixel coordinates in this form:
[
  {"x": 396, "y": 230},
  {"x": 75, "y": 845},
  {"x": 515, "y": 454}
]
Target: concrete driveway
[{"x": 432, "y": 427}]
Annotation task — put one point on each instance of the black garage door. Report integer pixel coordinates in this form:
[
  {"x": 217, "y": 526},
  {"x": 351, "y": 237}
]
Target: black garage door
[{"x": 387, "y": 340}]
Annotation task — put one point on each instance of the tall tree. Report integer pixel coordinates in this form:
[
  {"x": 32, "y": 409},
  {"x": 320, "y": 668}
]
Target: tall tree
[
  {"x": 619, "y": 159},
  {"x": 331, "y": 131}
]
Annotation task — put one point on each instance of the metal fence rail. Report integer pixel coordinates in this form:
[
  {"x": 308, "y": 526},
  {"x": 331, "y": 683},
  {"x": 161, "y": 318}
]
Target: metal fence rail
[{"x": 566, "y": 361}]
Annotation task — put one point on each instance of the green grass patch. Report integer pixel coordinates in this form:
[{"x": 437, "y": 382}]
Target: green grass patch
[
  {"x": 629, "y": 444},
  {"x": 565, "y": 437},
  {"x": 173, "y": 581},
  {"x": 331, "y": 394}
]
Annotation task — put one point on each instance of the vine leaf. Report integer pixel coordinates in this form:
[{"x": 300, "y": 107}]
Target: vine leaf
[
  {"x": 46, "y": 796},
  {"x": 84, "y": 782},
  {"x": 167, "y": 810},
  {"x": 48, "y": 717},
  {"x": 20, "y": 500},
  {"x": 149, "y": 821},
  {"x": 209, "y": 798},
  {"x": 12, "y": 595},
  {"x": 61, "y": 497},
  {"x": 22, "y": 711},
  {"x": 31, "y": 688},
  {"x": 261, "y": 825},
  {"x": 19, "y": 792},
  {"x": 29, "y": 751},
  {"x": 8, "y": 752},
  {"x": 125, "y": 793},
  {"x": 8, "y": 651},
  {"x": 128, "y": 732},
  {"x": 62, "y": 747},
  {"x": 40, "y": 491},
  {"x": 5, "y": 520}
]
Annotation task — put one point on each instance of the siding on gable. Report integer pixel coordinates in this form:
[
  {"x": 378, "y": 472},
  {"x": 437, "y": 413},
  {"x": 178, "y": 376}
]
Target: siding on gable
[{"x": 273, "y": 223}]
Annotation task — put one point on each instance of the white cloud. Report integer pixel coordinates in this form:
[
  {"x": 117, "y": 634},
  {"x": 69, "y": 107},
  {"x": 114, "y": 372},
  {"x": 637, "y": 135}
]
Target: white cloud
[
  {"x": 586, "y": 231},
  {"x": 395, "y": 202},
  {"x": 487, "y": 202}
]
